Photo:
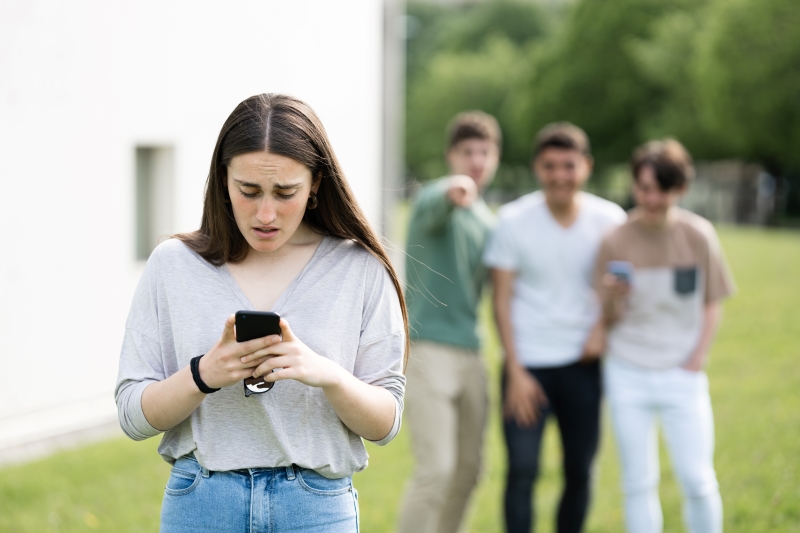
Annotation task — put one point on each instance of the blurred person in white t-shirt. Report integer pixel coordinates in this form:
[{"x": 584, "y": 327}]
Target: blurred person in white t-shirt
[{"x": 542, "y": 255}]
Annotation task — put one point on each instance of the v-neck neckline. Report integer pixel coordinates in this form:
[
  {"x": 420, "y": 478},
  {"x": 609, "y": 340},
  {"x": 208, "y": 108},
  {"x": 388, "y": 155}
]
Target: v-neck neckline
[
  {"x": 287, "y": 292},
  {"x": 566, "y": 229}
]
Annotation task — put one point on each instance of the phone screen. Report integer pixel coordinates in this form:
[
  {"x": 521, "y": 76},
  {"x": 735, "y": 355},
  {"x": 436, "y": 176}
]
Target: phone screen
[{"x": 255, "y": 325}]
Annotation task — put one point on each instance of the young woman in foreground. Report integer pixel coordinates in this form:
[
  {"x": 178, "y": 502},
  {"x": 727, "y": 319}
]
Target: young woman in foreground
[{"x": 281, "y": 231}]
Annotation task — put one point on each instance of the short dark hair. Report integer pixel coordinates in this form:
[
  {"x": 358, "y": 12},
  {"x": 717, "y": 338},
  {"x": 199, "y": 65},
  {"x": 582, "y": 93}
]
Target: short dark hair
[
  {"x": 473, "y": 125},
  {"x": 564, "y": 135},
  {"x": 670, "y": 161}
]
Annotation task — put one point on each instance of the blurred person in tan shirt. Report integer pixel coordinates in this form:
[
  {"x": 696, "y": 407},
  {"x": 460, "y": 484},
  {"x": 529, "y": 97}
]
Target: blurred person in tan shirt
[{"x": 662, "y": 276}]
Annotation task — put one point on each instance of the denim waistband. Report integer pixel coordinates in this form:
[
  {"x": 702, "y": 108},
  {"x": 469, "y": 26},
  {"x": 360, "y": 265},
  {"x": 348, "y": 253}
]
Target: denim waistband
[{"x": 290, "y": 470}]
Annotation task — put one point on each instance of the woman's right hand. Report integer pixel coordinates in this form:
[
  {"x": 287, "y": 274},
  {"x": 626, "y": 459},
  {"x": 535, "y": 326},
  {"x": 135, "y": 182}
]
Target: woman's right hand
[{"x": 222, "y": 365}]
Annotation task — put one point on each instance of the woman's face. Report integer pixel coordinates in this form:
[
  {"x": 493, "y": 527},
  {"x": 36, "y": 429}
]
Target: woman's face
[{"x": 269, "y": 194}]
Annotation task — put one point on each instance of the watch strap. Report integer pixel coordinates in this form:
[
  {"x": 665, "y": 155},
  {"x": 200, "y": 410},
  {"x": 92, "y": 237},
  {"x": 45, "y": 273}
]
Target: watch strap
[{"x": 195, "y": 366}]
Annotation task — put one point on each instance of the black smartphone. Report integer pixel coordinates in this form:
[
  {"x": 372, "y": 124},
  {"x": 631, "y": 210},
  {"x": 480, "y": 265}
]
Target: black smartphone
[{"x": 254, "y": 325}]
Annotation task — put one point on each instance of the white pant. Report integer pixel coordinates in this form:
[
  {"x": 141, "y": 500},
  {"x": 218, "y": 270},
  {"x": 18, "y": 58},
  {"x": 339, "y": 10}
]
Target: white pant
[{"x": 680, "y": 398}]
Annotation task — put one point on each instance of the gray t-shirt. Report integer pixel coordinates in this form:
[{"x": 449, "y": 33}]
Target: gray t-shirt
[{"x": 343, "y": 305}]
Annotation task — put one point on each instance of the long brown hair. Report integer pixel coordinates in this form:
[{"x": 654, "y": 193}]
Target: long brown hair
[{"x": 285, "y": 126}]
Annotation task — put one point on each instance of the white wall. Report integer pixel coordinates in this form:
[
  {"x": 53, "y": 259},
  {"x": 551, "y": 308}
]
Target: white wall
[{"x": 81, "y": 84}]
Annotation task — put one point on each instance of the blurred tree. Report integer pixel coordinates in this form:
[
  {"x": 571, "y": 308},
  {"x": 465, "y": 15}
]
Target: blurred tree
[
  {"x": 469, "y": 57},
  {"x": 519, "y": 21},
  {"x": 668, "y": 61},
  {"x": 488, "y": 80},
  {"x": 424, "y": 24},
  {"x": 590, "y": 76},
  {"x": 723, "y": 76},
  {"x": 730, "y": 74},
  {"x": 748, "y": 79},
  {"x": 433, "y": 28}
]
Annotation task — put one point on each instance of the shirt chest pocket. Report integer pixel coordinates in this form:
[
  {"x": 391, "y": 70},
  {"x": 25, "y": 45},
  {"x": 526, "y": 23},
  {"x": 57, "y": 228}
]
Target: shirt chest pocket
[{"x": 685, "y": 280}]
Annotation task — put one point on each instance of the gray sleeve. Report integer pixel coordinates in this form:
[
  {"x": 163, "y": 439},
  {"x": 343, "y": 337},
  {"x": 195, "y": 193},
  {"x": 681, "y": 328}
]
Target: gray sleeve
[
  {"x": 398, "y": 418},
  {"x": 134, "y": 376},
  {"x": 381, "y": 351},
  {"x": 390, "y": 378},
  {"x": 140, "y": 361}
]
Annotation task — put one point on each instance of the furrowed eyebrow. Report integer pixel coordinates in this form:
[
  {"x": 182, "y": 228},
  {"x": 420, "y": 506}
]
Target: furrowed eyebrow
[
  {"x": 287, "y": 186},
  {"x": 247, "y": 184}
]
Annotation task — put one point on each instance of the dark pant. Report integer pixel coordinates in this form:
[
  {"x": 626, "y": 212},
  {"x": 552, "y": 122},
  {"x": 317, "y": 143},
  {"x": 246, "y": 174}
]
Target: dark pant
[{"x": 573, "y": 393}]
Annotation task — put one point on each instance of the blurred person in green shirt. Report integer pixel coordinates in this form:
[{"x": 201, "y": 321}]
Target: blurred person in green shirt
[{"x": 446, "y": 399}]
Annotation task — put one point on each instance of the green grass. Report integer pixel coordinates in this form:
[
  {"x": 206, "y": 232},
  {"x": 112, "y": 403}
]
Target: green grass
[{"x": 755, "y": 386}]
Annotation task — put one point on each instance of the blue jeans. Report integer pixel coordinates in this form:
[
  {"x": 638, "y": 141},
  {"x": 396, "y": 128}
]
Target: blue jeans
[{"x": 256, "y": 500}]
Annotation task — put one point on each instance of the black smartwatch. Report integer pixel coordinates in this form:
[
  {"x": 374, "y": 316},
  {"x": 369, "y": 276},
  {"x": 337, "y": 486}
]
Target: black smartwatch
[{"x": 195, "y": 366}]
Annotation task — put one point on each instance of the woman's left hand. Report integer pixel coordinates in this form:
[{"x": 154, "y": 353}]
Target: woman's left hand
[{"x": 295, "y": 360}]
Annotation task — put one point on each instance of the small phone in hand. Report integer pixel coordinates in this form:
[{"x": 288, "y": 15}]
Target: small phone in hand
[
  {"x": 255, "y": 325},
  {"x": 622, "y": 270}
]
